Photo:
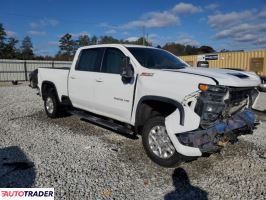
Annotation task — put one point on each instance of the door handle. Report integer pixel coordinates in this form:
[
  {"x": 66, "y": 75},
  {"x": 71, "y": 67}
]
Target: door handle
[
  {"x": 72, "y": 77},
  {"x": 99, "y": 80}
]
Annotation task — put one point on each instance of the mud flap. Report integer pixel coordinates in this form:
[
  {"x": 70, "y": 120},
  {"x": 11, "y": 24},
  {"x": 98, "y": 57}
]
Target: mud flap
[{"x": 173, "y": 127}]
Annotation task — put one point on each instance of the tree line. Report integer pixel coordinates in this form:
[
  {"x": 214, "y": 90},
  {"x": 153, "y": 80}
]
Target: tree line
[
  {"x": 68, "y": 45},
  {"x": 9, "y": 50}
]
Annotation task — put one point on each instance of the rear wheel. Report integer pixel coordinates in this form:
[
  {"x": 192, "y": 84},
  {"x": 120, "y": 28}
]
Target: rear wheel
[
  {"x": 157, "y": 143},
  {"x": 51, "y": 104}
]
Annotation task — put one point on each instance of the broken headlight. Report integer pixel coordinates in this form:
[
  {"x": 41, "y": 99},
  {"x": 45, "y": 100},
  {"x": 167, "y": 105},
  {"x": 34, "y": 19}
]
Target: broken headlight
[
  {"x": 210, "y": 104},
  {"x": 213, "y": 88}
]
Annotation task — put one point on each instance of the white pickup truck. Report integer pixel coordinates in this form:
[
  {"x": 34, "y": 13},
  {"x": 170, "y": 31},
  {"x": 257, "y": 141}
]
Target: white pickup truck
[{"x": 180, "y": 111}]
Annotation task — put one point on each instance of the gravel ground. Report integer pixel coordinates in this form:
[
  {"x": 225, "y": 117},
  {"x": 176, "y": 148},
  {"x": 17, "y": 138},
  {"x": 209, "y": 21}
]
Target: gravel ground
[{"x": 84, "y": 161}]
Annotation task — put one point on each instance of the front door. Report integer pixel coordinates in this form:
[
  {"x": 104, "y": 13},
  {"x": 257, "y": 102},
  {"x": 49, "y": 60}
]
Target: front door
[{"x": 113, "y": 96}]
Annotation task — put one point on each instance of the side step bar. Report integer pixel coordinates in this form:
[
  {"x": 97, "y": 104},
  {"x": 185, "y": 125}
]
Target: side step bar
[{"x": 102, "y": 122}]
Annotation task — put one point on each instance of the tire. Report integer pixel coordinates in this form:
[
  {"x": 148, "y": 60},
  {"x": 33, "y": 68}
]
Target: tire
[
  {"x": 51, "y": 104},
  {"x": 174, "y": 158}
]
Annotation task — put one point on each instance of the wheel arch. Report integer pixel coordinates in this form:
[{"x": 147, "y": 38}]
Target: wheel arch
[
  {"x": 150, "y": 105},
  {"x": 46, "y": 85}
]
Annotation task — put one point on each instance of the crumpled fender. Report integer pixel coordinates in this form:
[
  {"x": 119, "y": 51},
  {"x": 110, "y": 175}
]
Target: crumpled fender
[{"x": 173, "y": 127}]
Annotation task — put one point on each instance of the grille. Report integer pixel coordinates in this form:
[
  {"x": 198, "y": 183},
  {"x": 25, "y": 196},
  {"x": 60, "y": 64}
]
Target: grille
[
  {"x": 239, "y": 93},
  {"x": 222, "y": 109},
  {"x": 238, "y": 98}
]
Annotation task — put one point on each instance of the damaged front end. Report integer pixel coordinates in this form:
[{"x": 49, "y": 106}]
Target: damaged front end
[
  {"x": 211, "y": 139},
  {"x": 223, "y": 114}
]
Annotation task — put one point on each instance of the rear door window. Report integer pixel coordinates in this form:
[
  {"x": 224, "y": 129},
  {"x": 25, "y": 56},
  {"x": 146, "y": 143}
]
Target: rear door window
[{"x": 90, "y": 60}]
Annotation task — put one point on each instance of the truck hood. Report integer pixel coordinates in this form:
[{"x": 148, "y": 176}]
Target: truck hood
[{"x": 224, "y": 76}]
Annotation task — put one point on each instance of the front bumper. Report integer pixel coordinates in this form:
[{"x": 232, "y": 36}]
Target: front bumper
[
  {"x": 191, "y": 141},
  {"x": 211, "y": 139}
]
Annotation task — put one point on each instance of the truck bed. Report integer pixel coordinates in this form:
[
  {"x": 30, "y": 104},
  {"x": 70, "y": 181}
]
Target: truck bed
[
  {"x": 63, "y": 68},
  {"x": 58, "y": 76}
]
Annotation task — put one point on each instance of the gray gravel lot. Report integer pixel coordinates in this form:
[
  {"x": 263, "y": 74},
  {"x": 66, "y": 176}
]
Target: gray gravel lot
[{"x": 84, "y": 161}]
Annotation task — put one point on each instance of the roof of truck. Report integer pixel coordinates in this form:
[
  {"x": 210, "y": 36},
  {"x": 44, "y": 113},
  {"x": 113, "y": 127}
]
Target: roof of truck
[
  {"x": 135, "y": 45},
  {"x": 117, "y": 45}
]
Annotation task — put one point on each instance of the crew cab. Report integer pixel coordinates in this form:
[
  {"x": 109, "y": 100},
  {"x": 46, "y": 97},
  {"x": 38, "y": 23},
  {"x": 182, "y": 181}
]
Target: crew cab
[{"x": 180, "y": 111}]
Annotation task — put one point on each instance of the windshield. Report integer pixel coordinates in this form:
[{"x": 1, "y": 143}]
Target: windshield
[{"x": 156, "y": 58}]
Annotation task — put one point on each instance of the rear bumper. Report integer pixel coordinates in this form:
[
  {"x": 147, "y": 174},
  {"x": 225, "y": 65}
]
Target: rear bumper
[{"x": 195, "y": 142}]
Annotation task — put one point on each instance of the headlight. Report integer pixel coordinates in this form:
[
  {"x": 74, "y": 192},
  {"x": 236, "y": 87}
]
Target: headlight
[
  {"x": 210, "y": 104},
  {"x": 212, "y": 88}
]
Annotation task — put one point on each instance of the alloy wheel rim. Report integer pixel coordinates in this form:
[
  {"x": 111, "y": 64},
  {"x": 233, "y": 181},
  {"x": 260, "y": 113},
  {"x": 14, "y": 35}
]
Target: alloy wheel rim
[
  {"x": 160, "y": 143},
  {"x": 49, "y": 105}
]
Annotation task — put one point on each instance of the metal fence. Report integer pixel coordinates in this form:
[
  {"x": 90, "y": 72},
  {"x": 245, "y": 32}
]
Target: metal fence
[
  {"x": 20, "y": 69},
  {"x": 247, "y": 60}
]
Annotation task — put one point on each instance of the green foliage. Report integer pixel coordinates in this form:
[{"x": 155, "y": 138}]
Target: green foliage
[
  {"x": 108, "y": 40},
  {"x": 10, "y": 50},
  {"x": 8, "y": 47},
  {"x": 2, "y": 40},
  {"x": 180, "y": 49},
  {"x": 26, "y": 49},
  {"x": 139, "y": 41},
  {"x": 142, "y": 41},
  {"x": 2, "y": 33},
  {"x": 83, "y": 40},
  {"x": 94, "y": 40},
  {"x": 68, "y": 46},
  {"x": 206, "y": 49}
]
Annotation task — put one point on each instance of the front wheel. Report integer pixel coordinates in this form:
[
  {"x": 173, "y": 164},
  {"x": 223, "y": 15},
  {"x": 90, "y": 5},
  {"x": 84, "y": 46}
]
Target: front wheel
[{"x": 157, "y": 143}]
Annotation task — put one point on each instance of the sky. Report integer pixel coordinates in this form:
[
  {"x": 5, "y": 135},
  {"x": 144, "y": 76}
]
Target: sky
[{"x": 227, "y": 24}]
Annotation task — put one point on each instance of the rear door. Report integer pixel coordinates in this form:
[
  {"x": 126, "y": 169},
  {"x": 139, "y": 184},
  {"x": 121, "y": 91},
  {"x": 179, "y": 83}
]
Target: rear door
[
  {"x": 113, "y": 96},
  {"x": 82, "y": 78}
]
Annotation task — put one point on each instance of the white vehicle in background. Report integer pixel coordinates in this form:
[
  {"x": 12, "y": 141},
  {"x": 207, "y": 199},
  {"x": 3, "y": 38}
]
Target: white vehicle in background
[
  {"x": 180, "y": 111},
  {"x": 262, "y": 86}
]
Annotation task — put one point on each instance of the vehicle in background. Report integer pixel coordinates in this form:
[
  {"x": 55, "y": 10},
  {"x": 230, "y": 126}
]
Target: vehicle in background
[
  {"x": 262, "y": 87},
  {"x": 203, "y": 64},
  {"x": 236, "y": 69},
  {"x": 33, "y": 78},
  {"x": 202, "y": 60},
  {"x": 180, "y": 111}
]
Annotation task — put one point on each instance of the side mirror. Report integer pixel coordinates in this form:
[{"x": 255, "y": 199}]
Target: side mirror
[{"x": 127, "y": 69}]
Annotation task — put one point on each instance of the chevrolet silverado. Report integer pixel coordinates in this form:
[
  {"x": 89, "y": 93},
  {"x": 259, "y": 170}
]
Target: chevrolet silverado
[{"x": 180, "y": 111}]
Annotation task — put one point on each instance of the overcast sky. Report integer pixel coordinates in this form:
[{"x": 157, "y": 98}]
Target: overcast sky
[{"x": 234, "y": 24}]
